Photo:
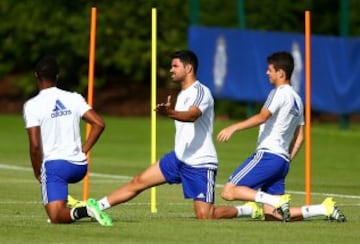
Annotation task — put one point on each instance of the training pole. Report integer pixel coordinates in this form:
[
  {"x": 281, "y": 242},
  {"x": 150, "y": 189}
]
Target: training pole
[
  {"x": 90, "y": 93},
  {"x": 153, "y": 102},
  {"x": 307, "y": 108}
]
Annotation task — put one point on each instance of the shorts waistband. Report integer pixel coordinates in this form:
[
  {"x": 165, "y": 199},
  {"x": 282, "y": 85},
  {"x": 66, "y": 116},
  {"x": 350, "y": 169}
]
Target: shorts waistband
[{"x": 284, "y": 156}]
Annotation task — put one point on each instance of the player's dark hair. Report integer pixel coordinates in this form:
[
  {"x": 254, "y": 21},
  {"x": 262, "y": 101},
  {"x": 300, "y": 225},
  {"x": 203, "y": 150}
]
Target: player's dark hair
[
  {"x": 187, "y": 57},
  {"x": 282, "y": 60},
  {"x": 47, "y": 68}
]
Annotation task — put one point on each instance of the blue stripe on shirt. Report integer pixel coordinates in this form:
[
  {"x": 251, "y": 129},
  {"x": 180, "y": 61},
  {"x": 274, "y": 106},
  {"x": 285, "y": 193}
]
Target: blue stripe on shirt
[
  {"x": 269, "y": 98},
  {"x": 199, "y": 95}
]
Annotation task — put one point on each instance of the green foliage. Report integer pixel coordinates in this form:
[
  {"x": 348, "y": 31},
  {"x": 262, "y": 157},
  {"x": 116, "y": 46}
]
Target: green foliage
[
  {"x": 31, "y": 28},
  {"x": 230, "y": 109}
]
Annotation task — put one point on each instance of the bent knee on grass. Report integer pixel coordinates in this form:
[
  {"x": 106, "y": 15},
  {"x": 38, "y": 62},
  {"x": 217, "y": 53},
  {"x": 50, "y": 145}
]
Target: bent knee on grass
[
  {"x": 203, "y": 210},
  {"x": 58, "y": 212},
  {"x": 61, "y": 216},
  {"x": 204, "y": 214},
  {"x": 228, "y": 193}
]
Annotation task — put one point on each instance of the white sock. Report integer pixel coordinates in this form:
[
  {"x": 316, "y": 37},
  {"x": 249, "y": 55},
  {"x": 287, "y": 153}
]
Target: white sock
[
  {"x": 244, "y": 210},
  {"x": 104, "y": 203},
  {"x": 313, "y": 210},
  {"x": 262, "y": 197}
]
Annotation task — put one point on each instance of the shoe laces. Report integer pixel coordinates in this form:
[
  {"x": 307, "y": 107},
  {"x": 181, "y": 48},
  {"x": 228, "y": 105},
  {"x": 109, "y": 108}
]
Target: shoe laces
[
  {"x": 337, "y": 215},
  {"x": 283, "y": 210}
]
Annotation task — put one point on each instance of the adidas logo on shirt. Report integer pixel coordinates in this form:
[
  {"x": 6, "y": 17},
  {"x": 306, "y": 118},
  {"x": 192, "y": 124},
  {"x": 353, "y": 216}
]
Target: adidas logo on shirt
[{"x": 59, "y": 110}]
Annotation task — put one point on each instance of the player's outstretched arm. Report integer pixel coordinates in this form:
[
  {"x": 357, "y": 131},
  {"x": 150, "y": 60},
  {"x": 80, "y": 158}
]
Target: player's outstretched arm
[
  {"x": 165, "y": 109},
  {"x": 225, "y": 134}
]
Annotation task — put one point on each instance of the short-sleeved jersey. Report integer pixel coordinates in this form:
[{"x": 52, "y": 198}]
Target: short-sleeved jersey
[
  {"x": 58, "y": 113},
  {"x": 287, "y": 110},
  {"x": 193, "y": 140}
]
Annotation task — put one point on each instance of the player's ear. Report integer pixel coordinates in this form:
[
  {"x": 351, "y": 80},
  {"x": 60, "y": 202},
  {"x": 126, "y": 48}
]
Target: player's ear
[
  {"x": 189, "y": 68},
  {"x": 281, "y": 73}
]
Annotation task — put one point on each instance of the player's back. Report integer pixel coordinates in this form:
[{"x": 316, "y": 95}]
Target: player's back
[
  {"x": 287, "y": 113},
  {"x": 58, "y": 114}
]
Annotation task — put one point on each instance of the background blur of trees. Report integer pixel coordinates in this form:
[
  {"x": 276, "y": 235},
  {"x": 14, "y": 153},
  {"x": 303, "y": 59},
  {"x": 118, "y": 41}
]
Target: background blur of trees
[{"x": 31, "y": 28}]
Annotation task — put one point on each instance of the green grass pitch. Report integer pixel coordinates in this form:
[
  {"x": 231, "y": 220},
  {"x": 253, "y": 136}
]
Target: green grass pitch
[{"x": 124, "y": 150}]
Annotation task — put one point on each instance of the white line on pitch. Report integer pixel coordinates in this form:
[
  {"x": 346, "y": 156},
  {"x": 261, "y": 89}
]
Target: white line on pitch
[{"x": 100, "y": 175}]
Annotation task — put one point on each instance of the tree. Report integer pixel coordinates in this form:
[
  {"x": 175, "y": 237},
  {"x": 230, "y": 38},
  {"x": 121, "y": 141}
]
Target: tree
[{"x": 31, "y": 28}]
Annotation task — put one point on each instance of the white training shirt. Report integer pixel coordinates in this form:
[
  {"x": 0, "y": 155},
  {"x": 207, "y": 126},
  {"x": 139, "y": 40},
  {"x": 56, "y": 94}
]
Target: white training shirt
[
  {"x": 58, "y": 113},
  {"x": 193, "y": 140},
  {"x": 287, "y": 110}
]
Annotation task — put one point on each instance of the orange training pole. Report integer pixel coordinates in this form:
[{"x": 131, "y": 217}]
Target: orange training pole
[
  {"x": 90, "y": 92},
  {"x": 307, "y": 108}
]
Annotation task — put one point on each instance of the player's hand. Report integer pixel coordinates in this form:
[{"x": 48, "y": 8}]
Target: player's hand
[
  {"x": 163, "y": 108},
  {"x": 225, "y": 134}
]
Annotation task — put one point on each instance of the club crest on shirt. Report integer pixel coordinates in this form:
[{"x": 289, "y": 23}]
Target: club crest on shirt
[{"x": 186, "y": 100}]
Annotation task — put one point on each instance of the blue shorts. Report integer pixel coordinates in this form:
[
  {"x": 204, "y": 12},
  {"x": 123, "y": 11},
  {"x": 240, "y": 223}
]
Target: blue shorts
[
  {"x": 55, "y": 177},
  {"x": 262, "y": 170},
  {"x": 197, "y": 183}
]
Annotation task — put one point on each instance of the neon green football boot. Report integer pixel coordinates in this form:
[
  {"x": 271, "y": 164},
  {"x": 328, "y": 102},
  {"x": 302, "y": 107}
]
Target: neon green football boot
[
  {"x": 283, "y": 207},
  {"x": 74, "y": 203},
  {"x": 332, "y": 211},
  {"x": 95, "y": 212}
]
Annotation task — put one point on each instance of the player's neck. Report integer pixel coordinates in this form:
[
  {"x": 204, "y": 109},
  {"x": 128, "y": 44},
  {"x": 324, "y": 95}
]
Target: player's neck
[
  {"x": 45, "y": 84},
  {"x": 282, "y": 82},
  {"x": 188, "y": 82}
]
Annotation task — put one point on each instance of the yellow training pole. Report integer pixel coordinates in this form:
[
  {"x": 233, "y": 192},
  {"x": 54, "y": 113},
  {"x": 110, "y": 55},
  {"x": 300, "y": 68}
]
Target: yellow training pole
[
  {"x": 90, "y": 92},
  {"x": 307, "y": 108},
  {"x": 153, "y": 102}
]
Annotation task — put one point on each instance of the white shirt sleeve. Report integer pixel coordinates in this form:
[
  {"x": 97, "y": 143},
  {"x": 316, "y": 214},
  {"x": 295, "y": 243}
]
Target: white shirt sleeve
[
  {"x": 83, "y": 106},
  {"x": 31, "y": 120},
  {"x": 274, "y": 101}
]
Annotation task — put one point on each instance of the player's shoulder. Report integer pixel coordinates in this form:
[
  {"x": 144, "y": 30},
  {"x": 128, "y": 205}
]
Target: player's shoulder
[
  {"x": 29, "y": 103},
  {"x": 62, "y": 91},
  {"x": 284, "y": 90},
  {"x": 33, "y": 100},
  {"x": 203, "y": 88},
  {"x": 69, "y": 94},
  {"x": 200, "y": 84}
]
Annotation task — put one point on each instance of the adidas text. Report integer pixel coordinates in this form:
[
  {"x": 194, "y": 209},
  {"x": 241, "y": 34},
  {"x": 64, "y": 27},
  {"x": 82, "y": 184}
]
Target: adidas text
[{"x": 60, "y": 113}]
